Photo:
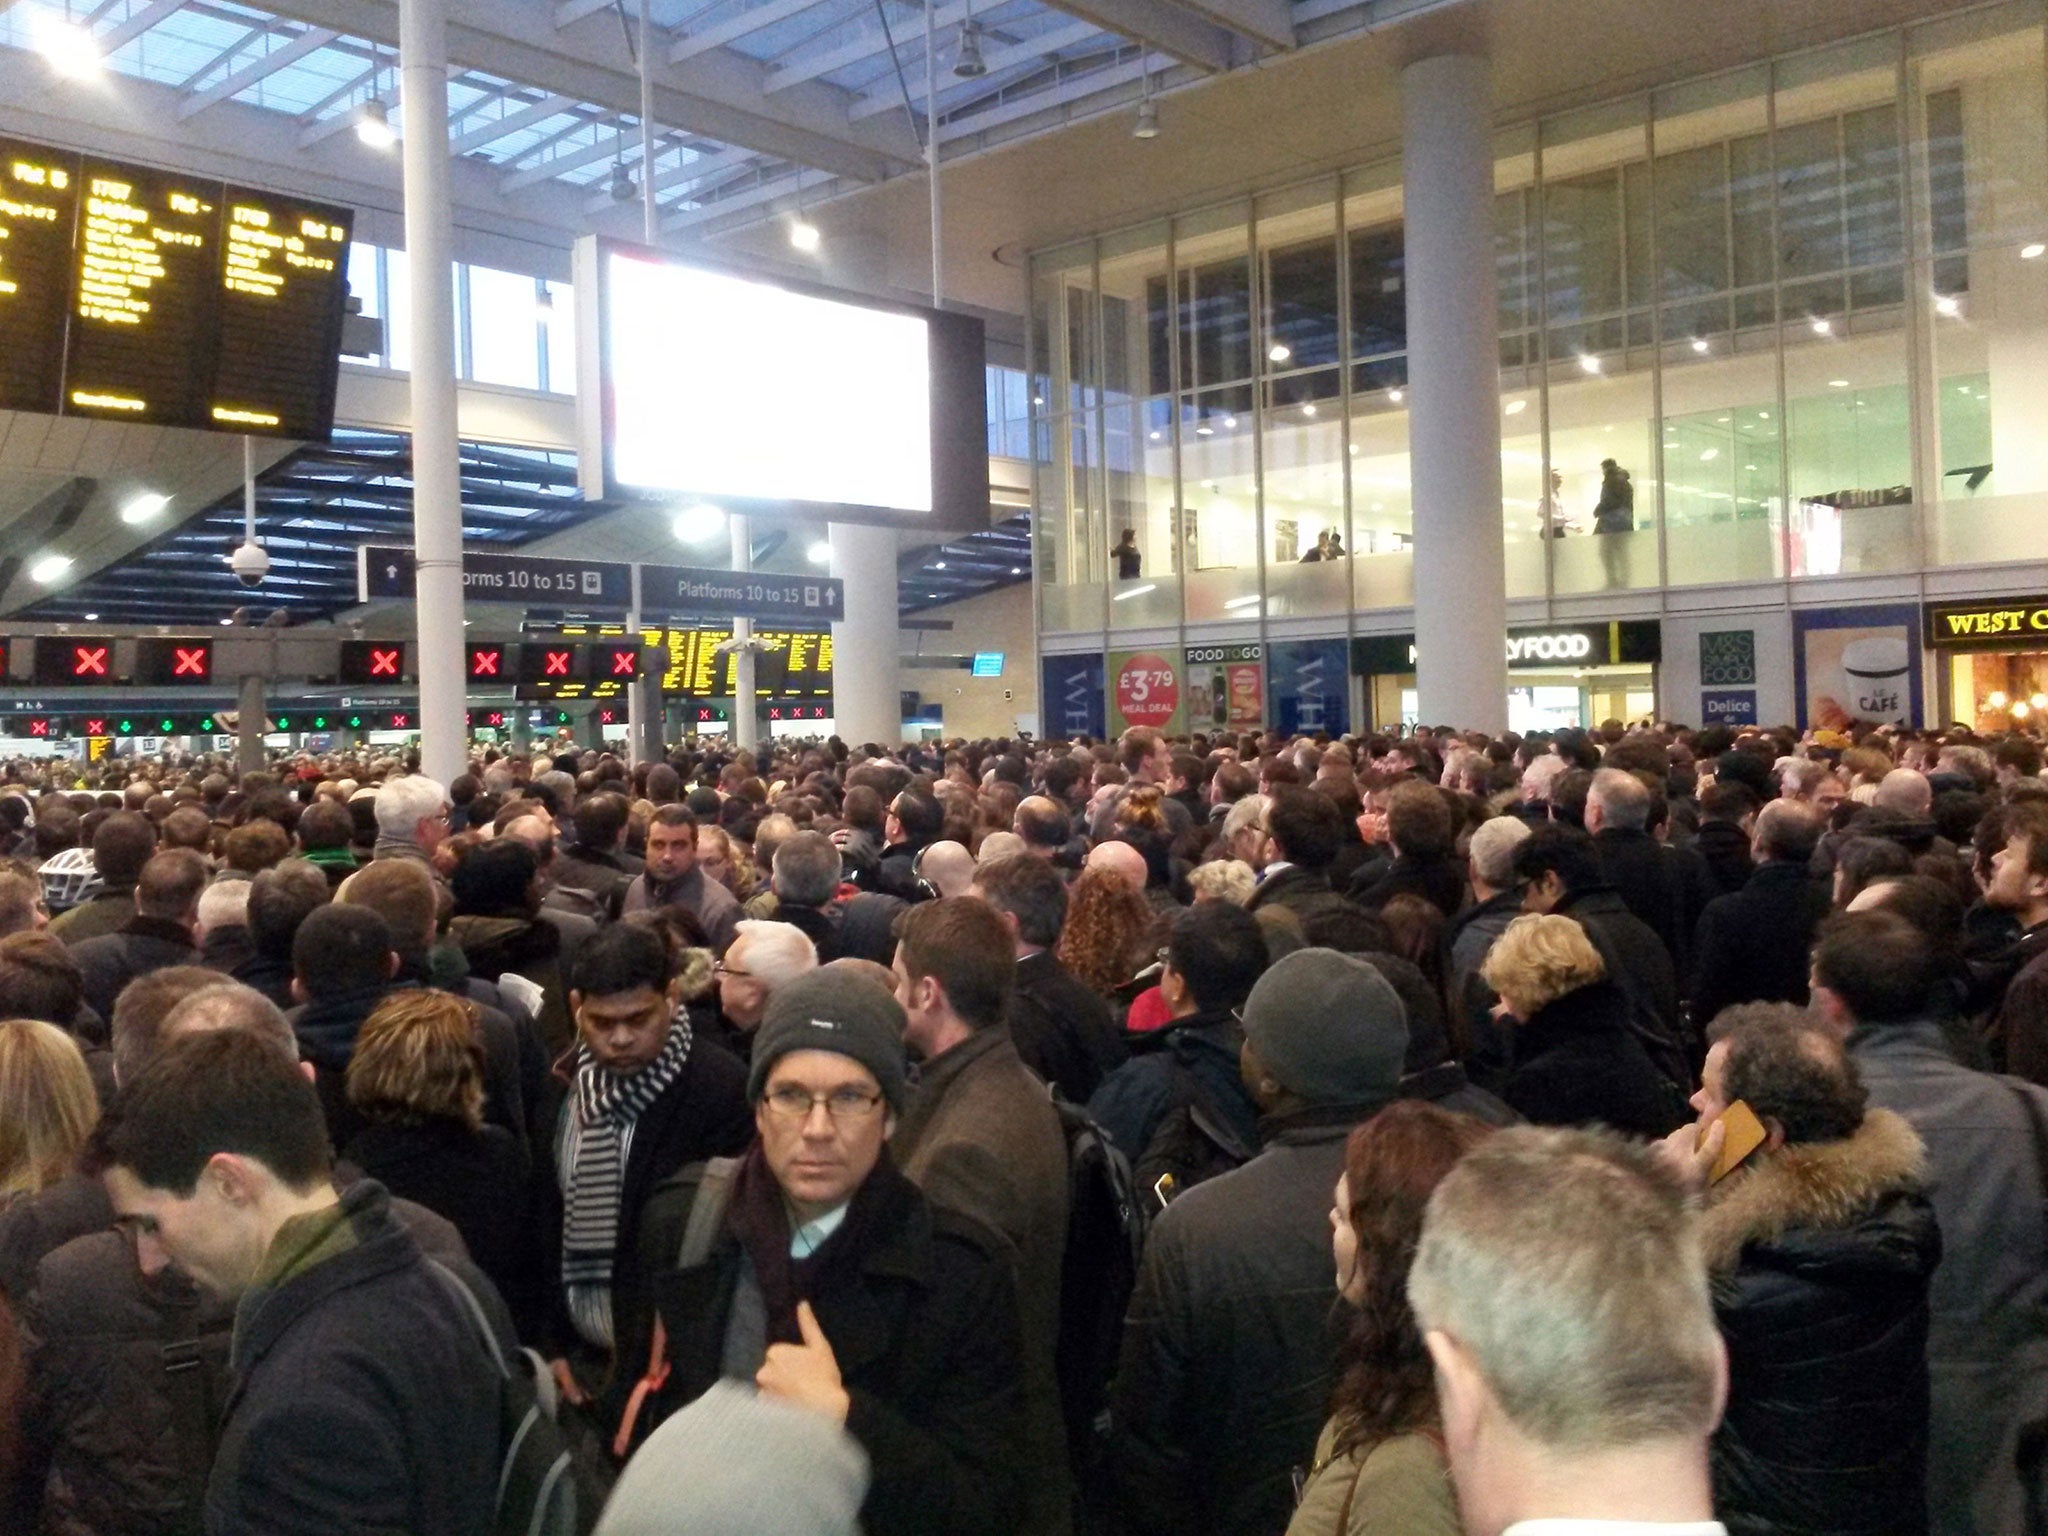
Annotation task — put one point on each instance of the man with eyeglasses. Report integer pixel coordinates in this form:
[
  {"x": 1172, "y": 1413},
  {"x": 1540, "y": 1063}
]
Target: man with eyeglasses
[
  {"x": 645, "y": 1098},
  {"x": 831, "y": 1282}
]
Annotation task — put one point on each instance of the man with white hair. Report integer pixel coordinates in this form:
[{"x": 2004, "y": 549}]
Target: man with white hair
[
  {"x": 1496, "y": 895},
  {"x": 1562, "y": 1296},
  {"x": 765, "y": 957},
  {"x": 223, "y": 929},
  {"x": 1666, "y": 887},
  {"x": 412, "y": 817}
]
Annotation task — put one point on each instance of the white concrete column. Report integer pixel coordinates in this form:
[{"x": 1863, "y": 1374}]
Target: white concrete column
[
  {"x": 866, "y": 691},
  {"x": 1454, "y": 393},
  {"x": 252, "y": 723},
  {"x": 746, "y": 709},
  {"x": 436, "y": 447}
]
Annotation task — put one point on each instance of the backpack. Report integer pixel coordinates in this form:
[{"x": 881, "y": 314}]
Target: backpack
[
  {"x": 714, "y": 1178},
  {"x": 1192, "y": 1142},
  {"x": 1098, "y": 1272},
  {"x": 539, "y": 1491}
]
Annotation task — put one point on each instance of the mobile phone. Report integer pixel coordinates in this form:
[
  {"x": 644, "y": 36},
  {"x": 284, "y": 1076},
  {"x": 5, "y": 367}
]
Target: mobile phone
[{"x": 1745, "y": 1134}]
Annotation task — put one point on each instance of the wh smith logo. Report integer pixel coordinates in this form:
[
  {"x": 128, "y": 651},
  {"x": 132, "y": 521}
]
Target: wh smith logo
[{"x": 1077, "y": 702}]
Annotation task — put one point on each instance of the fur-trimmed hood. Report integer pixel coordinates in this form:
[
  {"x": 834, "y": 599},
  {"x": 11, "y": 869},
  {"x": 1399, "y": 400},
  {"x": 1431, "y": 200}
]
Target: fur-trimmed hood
[
  {"x": 698, "y": 976},
  {"x": 1828, "y": 1185}
]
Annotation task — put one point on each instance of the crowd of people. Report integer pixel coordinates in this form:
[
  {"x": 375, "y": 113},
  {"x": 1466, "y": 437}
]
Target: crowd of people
[{"x": 1619, "y": 1130}]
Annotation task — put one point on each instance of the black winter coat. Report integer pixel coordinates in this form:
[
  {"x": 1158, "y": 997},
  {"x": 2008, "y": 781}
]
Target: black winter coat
[
  {"x": 1440, "y": 882},
  {"x": 1577, "y": 1062},
  {"x": 1725, "y": 847},
  {"x": 1821, "y": 1254},
  {"x": 113, "y": 960},
  {"x": 1664, "y": 886},
  {"x": 362, "y": 1399},
  {"x": 1756, "y": 944},
  {"x": 118, "y": 1444},
  {"x": 926, "y": 1334},
  {"x": 1062, "y": 1028}
]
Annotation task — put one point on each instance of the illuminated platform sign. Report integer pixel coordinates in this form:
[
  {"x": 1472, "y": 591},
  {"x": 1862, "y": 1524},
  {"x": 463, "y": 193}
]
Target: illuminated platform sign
[{"x": 130, "y": 294}]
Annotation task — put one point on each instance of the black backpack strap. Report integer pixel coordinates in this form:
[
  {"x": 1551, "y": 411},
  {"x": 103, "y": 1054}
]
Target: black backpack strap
[{"x": 194, "y": 1415}]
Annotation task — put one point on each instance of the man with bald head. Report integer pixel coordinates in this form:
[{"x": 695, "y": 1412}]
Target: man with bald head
[
  {"x": 1753, "y": 944},
  {"x": 948, "y": 868},
  {"x": 1120, "y": 859},
  {"x": 1042, "y": 822},
  {"x": 1907, "y": 791}
]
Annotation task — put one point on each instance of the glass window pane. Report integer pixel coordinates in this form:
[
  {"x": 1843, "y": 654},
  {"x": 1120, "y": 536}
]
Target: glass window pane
[
  {"x": 504, "y": 330},
  {"x": 560, "y": 319},
  {"x": 1215, "y": 298},
  {"x": 1219, "y": 495}
]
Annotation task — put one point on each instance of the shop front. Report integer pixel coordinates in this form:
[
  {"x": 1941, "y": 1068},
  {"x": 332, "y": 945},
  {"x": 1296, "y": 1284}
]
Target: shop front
[
  {"x": 1559, "y": 675},
  {"x": 1991, "y": 661}
]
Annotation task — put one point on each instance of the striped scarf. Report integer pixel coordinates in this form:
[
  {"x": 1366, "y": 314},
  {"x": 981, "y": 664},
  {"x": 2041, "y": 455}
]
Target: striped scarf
[{"x": 606, "y": 1105}]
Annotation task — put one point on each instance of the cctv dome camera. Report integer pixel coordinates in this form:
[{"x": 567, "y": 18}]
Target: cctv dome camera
[{"x": 250, "y": 563}]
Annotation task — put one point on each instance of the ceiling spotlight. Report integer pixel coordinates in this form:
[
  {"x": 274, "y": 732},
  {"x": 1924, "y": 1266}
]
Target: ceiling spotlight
[
  {"x": 68, "y": 48},
  {"x": 1308, "y": 410},
  {"x": 1823, "y": 327},
  {"x": 1588, "y": 363},
  {"x": 1708, "y": 455},
  {"x": 1838, "y": 383},
  {"x": 1280, "y": 352},
  {"x": 803, "y": 234},
  {"x": 140, "y": 509},
  {"x": 1147, "y": 126},
  {"x": 2033, "y": 252},
  {"x": 92, "y": 618},
  {"x": 820, "y": 553},
  {"x": 699, "y": 523},
  {"x": 624, "y": 189},
  {"x": 1699, "y": 344},
  {"x": 49, "y": 568},
  {"x": 968, "y": 63},
  {"x": 1947, "y": 304},
  {"x": 938, "y": 565},
  {"x": 1515, "y": 407},
  {"x": 1205, "y": 430},
  {"x": 1016, "y": 570},
  {"x": 373, "y": 125},
  {"x": 1397, "y": 395},
  {"x": 1230, "y": 422}
]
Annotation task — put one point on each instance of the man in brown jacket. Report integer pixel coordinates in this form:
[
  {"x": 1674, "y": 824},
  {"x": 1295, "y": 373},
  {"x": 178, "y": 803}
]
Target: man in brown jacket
[{"x": 980, "y": 1135}]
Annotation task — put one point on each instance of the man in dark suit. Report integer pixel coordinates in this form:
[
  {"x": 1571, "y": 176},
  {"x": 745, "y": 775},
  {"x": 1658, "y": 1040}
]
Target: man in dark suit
[
  {"x": 1305, "y": 831},
  {"x": 1667, "y": 888},
  {"x": 1755, "y": 944},
  {"x": 1062, "y": 1029}
]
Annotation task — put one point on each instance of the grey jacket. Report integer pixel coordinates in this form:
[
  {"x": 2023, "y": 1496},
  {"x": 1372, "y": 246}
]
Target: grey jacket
[{"x": 1987, "y": 1348}]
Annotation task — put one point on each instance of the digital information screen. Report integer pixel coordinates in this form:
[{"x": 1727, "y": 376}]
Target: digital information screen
[
  {"x": 797, "y": 664},
  {"x": 140, "y": 295},
  {"x": 770, "y": 397}
]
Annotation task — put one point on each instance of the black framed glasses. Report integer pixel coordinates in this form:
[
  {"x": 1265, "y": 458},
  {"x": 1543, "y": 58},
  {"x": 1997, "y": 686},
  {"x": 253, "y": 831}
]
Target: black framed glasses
[{"x": 842, "y": 1104}]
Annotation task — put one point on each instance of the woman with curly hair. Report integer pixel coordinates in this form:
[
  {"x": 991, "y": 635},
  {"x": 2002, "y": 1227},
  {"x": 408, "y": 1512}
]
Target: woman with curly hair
[
  {"x": 1379, "y": 1464},
  {"x": 1103, "y": 941}
]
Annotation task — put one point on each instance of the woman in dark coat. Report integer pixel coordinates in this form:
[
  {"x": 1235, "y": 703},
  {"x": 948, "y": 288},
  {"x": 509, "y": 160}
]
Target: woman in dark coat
[
  {"x": 416, "y": 1077},
  {"x": 1577, "y": 1058}
]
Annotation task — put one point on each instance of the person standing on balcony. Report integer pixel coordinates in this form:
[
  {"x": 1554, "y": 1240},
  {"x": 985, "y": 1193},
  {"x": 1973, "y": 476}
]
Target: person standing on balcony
[
  {"x": 1129, "y": 562},
  {"x": 1615, "y": 514}
]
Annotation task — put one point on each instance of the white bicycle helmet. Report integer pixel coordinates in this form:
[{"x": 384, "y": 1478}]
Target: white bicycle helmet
[{"x": 68, "y": 878}]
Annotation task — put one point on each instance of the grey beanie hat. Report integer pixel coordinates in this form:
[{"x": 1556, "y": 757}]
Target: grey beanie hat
[
  {"x": 1328, "y": 1027},
  {"x": 735, "y": 1463},
  {"x": 832, "y": 1011}
]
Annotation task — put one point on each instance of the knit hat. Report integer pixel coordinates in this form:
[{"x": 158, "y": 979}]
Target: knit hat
[
  {"x": 832, "y": 1011},
  {"x": 1328, "y": 1027},
  {"x": 735, "y": 1463}
]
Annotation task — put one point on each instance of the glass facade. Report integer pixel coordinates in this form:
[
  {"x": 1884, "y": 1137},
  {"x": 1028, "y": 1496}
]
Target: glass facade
[
  {"x": 510, "y": 329},
  {"x": 1787, "y": 322}
]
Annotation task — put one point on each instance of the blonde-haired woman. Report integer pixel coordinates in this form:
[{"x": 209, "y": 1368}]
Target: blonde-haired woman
[
  {"x": 1577, "y": 1057},
  {"x": 416, "y": 1076},
  {"x": 47, "y": 1106}
]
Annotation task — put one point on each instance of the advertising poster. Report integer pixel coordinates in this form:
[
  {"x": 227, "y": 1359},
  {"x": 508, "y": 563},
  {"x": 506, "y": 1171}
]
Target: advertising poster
[
  {"x": 1311, "y": 689},
  {"x": 1226, "y": 688},
  {"x": 1145, "y": 688},
  {"x": 1856, "y": 664},
  {"x": 1072, "y": 696}
]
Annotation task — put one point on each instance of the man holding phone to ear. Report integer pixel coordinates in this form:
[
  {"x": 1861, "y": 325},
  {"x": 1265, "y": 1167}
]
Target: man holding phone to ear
[{"x": 1820, "y": 1244}]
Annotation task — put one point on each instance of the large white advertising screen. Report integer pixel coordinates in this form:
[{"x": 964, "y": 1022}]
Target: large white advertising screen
[{"x": 720, "y": 386}]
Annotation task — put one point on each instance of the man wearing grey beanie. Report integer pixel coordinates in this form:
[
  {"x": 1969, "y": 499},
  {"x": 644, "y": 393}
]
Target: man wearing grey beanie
[
  {"x": 1228, "y": 1356},
  {"x": 816, "y": 1273}
]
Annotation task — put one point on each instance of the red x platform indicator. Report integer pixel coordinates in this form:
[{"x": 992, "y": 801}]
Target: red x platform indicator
[
  {"x": 371, "y": 661},
  {"x": 174, "y": 661},
  {"x": 622, "y": 661},
  {"x": 96, "y": 727},
  {"x": 195, "y": 661},
  {"x": 39, "y": 726},
  {"x": 90, "y": 660},
  {"x": 487, "y": 661}
]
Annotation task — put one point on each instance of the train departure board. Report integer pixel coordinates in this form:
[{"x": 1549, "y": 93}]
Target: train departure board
[
  {"x": 140, "y": 295},
  {"x": 797, "y": 664}
]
